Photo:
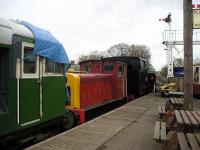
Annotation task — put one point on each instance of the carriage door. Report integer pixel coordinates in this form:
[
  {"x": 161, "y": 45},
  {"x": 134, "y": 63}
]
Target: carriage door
[
  {"x": 29, "y": 87},
  {"x": 121, "y": 80}
]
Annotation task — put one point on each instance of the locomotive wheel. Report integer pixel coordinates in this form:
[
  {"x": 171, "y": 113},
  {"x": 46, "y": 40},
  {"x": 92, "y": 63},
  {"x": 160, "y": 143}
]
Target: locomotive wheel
[{"x": 69, "y": 120}]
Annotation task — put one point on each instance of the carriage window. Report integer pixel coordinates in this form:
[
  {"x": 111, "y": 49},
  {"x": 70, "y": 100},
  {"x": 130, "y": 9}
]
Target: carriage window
[
  {"x": 196, "y": 74},
  {"x": 53, "y": 67},
  {"x": 109, "y": 68},
  {"x": 29, "y": 61}
]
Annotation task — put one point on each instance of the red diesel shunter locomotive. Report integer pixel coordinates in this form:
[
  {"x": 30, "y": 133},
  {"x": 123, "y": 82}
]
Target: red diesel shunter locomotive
[{"x": 90, "y": 94}]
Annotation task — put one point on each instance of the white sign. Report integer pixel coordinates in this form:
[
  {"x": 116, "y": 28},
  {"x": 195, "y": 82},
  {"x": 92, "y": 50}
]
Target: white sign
[{"x": 196, "y": 18}]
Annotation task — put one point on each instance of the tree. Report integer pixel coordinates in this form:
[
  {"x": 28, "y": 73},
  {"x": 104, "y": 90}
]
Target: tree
[
  {"x": 178, "y": 62},
  {"x": 122, "y": 49},
  {"x": 197, "y": 61},
  {"x": 118, "y": 50},
  {"x": 163, "y": 73},
  {"x": 164, "y": 70},
  {"x": 139, "y": 51},
  {"x": 93, "y": 55},
  {"x": 151, "y": 68}
]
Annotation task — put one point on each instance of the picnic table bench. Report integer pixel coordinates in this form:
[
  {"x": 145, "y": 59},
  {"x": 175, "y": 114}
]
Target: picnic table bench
[
  {"x": 188, "y": 141},
  {"x": 160, "y": 132},
  {"x": 161, "y": 110}
]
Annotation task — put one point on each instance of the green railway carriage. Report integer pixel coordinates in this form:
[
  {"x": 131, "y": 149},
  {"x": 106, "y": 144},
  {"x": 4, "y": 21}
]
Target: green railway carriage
[{"x": 32, "y": 87}]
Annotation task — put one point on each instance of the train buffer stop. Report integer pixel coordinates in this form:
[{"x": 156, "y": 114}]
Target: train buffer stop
[{"x": 128, "y": 127}]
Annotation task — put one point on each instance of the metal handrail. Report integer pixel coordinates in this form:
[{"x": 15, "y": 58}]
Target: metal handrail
[{"x": 177, "y": 35}]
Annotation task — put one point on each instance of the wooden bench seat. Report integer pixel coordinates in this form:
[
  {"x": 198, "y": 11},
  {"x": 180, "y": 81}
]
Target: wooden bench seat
[
  {"x": 160, "y": 131},
  {"x": 161, "y": 110},
  {"x": 188, "y": 141}
]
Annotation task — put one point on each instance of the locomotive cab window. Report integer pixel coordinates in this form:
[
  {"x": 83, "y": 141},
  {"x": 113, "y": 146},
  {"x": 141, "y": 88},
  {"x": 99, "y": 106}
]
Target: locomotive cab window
[
  {"x": 30, "y": 61},
  {"x": 87, "y": 68},
  {"x": 109, "y": 68},
  {"x": 120, "y": 70},
  {"x": 53, "y": 67},
  {"x": 142, "y": 65}
]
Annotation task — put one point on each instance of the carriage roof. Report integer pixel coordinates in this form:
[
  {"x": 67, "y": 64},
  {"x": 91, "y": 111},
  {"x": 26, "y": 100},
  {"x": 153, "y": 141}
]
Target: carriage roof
[{"x": 9, "y": 27}]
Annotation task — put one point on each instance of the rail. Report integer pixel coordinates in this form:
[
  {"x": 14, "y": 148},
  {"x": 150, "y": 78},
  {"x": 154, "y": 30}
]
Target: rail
[{"x": 177, "y": 35}]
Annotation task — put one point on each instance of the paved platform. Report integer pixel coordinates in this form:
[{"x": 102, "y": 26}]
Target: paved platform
[{"x": 126, "y": 128}]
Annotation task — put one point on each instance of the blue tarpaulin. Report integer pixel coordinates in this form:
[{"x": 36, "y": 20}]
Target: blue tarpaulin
[{"x": 47, "y": 45}]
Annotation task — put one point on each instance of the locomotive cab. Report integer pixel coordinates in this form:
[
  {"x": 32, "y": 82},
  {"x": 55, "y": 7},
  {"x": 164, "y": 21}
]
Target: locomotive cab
[{"x": 32, "y": 94}]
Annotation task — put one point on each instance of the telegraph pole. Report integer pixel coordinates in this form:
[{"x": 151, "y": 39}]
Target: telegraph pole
[{"x": 188, "y": 54}]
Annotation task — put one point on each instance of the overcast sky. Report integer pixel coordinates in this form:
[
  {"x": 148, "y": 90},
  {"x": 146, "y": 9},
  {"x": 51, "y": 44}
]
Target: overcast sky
[{"x": 87, "y": 25}]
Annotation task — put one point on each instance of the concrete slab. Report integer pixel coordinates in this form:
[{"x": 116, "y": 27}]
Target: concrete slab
[
  {"x": 128, "y": 127},
  {"x": 137, "y": 136}
]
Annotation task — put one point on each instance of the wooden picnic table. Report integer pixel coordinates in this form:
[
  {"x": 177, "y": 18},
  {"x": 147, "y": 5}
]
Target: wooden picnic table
[
  {"x": 173, "y": 103},
  {"x": 176, "y": 94},
  {"x": 176, "y": 102},
  {"x": 187, "y": 119}
]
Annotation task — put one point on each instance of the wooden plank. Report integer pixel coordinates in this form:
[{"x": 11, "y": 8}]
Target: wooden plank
[
  {"x": 197, "y": 117},
  {"x": 198, "y": 112},
  {"x": 172, "y": 100},
  {"x": 157, "y": 131},
  {"x": 178, "y": 117},
  {"x": 192, "y": 141},
  {"x": 159, "y": 109},
  {"x": 192, "y": 119},
  {"x": 180, "y": 101},
  {"x": 177, "y": 102},
  {"x": 185, "y": 118},
  {"x": 163, "y": 132},
  {"x": 197, "y": 135},
  {"x": 163, "y": 109},
  {"x": 182, "y": 141}
]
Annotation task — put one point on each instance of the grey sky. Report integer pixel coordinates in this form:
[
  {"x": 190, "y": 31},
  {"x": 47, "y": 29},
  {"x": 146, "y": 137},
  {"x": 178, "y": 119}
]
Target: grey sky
[{"x": 88, "y": 25}]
